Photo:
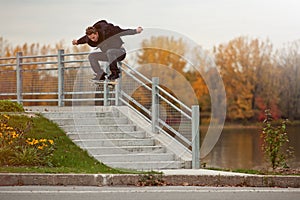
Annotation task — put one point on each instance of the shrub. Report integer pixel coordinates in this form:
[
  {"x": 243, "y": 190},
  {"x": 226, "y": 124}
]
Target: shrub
[
  {"x": 16, "y": 149},
  {"x": 275, "y": 141},
  {"x": 9, "y": 106}
]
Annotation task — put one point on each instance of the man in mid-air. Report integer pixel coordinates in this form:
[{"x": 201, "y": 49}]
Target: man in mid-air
[{"x": 106, "y": 37}]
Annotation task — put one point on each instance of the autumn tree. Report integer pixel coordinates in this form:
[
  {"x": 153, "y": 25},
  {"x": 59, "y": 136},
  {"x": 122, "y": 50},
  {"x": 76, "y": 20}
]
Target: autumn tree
[
  {"x": 247, "y": 71},
  {"x": 163, "y": 57},
  {"x": 164, "y": 51},
  {"x": 288, "y": 62},
  {"x": 200, "y": 74}
]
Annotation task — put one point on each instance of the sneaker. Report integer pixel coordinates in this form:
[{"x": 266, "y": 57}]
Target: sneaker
[
  {"x": 102, "y": 78},
  {"x": 99, "y": 77},
  {"x": 113, "y": 77}
]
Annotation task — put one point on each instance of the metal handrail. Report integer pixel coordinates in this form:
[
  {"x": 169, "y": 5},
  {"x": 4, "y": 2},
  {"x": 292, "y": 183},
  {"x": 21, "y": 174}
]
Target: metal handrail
[
  {"x": 143, "y": 82},
  {"x": 59, "y": 64}
]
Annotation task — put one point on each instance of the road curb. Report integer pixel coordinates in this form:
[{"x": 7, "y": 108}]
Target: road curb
[
  {"x": 246, "y": 181},
  {"x": 9, "y": 179}
]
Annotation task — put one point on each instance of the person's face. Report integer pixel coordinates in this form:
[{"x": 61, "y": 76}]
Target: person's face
[{"x": 94, "y": 37}]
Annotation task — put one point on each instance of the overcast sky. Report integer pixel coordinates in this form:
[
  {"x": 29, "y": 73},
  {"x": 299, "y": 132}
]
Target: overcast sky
[{"x": 207, "y": 22}]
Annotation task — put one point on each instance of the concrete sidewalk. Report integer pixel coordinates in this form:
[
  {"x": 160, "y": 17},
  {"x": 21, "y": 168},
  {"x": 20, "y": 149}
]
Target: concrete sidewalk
[
  {"x": 197, "y": 172},
  {"x": 185, "y": 177}
]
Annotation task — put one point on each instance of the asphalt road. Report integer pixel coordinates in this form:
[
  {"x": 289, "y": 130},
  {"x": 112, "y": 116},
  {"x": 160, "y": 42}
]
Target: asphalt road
[{"x": 146, "y": 193}]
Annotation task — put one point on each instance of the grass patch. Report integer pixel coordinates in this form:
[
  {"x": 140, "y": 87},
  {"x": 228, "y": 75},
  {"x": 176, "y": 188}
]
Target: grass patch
[
  {"x": 67, "y": 157},
  {"x": 9, "y": 106}
]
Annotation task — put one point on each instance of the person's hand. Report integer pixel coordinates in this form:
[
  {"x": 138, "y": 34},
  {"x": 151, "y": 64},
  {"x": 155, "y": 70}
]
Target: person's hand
[
  {"x": 74, "y": 42},
  {"x": 139, "y": 29}
]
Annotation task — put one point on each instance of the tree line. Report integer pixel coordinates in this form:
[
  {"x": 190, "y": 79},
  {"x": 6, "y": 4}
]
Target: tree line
[{"x": 256, "y": 76}]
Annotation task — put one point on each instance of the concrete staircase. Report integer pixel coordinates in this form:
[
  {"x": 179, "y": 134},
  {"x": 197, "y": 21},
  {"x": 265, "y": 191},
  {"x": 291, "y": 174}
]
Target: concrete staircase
[{"x": 109, "y": 135}]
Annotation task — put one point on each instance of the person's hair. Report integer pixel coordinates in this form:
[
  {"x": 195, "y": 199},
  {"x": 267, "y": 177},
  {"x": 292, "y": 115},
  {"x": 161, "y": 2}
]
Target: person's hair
[{"x": 90, "y": 30}]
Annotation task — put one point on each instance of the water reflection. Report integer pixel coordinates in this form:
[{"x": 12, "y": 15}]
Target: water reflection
[{"x": 241, "y": 149}]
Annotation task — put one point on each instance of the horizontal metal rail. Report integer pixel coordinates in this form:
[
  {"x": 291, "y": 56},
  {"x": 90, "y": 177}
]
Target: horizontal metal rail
[
  {"x": 41, "y": 56},
  {"x": 8, "y": 65}
]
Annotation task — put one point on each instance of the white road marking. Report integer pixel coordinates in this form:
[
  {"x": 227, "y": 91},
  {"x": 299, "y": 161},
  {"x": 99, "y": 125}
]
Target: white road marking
[{"x": 151, "y": 190}]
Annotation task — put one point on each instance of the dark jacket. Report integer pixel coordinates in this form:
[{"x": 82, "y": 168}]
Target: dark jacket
[{"x": 109, "y": 36}]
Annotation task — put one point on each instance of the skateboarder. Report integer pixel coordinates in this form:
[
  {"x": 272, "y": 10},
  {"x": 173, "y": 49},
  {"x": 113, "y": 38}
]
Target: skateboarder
[{"x": 106, "y": 37}]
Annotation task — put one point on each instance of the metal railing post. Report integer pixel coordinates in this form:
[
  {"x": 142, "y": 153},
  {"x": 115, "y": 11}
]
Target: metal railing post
[
  {"x": 118, "y": 86},
  {"x": 117, "y": 93},
  {"x": 155, "y": 104},
  {"x": 105, "y": 93},
  {"x": 60, "y": 60},
  {"x": 195, "y": 137},
  {"x": 19, "y": 78},
  {"x": 105, "y": 87}
]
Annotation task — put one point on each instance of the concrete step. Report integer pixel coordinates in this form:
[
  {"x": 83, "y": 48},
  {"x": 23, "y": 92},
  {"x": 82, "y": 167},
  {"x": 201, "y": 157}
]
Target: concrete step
[
  {"x": 106, "y": 135},
  {"x": 146, "y": 165},
  {"x": 114, "y": 142},
  {"x": 114, "y": 139},
  {"x": 125, "y": 150},
  {"x": 100, "y": 128},
  {"x": 136, "y": 157},
  {"x": 91, "y": 121}
]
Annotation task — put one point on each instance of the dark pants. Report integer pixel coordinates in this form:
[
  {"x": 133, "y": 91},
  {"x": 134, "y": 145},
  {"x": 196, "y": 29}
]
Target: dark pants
[{"x": 112, "y": 56}]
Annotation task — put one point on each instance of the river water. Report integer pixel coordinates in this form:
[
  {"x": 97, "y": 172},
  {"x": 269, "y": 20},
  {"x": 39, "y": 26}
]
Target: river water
[{"x": 240, "y": 148}]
